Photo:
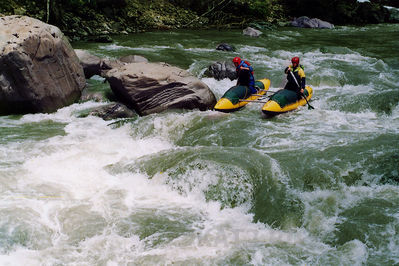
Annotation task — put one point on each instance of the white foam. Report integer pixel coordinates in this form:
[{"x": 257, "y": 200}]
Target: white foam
[
  {"x": 219, "y": 87},
  {"x": 63, "y": 115},
  {"x": 116, "y": 47},
  {"x": 251, "y": 49}
]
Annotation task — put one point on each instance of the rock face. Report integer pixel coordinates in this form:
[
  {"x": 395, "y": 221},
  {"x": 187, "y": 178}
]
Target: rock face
[
  {"x": 222, "y": 70},
  {"x": 305, "y": 22},
  {"x": 39, "y": 70},
  {"x": 155, "y": 87}
]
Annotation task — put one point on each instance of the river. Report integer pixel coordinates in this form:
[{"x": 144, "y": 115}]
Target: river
[{"x": 309, "y": 187}]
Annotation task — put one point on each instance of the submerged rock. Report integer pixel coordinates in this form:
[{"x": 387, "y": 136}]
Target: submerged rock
[
  {"x": 39, "y": 70},
  {"x": 112, "y": 111},
  {"x": 222, "y": 70},
  {"x": 155, "y": 87},
  {"x": 225, "y": 47}
]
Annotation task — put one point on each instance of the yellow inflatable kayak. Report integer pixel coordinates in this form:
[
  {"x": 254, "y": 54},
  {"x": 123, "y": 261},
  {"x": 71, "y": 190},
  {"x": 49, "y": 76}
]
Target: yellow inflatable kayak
[
  {"x": 239, "y": 96},
  {"x": 285, "y": 100}
]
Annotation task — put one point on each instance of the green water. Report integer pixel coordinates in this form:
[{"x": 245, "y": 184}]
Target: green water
[{"x": 309, "y": 187}]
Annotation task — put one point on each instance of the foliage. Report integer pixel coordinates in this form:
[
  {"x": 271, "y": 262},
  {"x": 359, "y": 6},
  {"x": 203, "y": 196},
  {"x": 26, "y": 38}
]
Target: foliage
[
  {"x": 85, "y": 18},
  {"x": 268, "y": 10},
  {"x": 217, "y": 11}
]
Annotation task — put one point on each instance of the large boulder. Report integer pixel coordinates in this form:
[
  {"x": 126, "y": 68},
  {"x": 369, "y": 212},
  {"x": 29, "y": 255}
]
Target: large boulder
[
  {"x": 155, "y": 87},
  {"x": 39, "y": 70},
  {"x": 222, "y": 70},
  {"x": 305, "y": 22}
]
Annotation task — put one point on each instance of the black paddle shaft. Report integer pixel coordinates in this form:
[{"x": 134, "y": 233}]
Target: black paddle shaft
[{"x": 303, "y": 95}]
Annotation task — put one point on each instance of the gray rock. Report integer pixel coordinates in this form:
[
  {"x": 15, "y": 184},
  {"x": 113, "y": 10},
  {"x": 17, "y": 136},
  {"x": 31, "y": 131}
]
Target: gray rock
[
  {"x": 321, "y": 24},
  {"x": 133, "y": 59},
  {"x": 222, "y": 70},
  {"x": 225, "y": 47},
  {"x": 94, "y": 65},
  {"x": 305, "y": 22},
  {"x": 251, "y": 32},
  {"x": 112, "y": 111},
  {"x": 90, "y": 63},
  {"x": 39, "y": 70},
  {"x": 155, "y": 87},
  {"x": 107, "y": 64}
]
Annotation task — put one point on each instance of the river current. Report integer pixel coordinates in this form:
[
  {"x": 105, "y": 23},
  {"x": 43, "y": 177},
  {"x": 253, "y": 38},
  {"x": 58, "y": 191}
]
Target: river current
[{"x": 309, "y": 187}]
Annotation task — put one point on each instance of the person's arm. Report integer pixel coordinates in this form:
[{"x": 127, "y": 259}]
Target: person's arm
[
  {"x": 251, "y": 69},
  {"x": 301, "y": 74}
]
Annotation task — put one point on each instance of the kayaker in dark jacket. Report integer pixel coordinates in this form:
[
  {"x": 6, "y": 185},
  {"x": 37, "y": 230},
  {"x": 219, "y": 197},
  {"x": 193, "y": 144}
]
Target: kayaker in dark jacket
[
  {"x": 245, "y": 74},
  {"x": 296, "y": 77}
]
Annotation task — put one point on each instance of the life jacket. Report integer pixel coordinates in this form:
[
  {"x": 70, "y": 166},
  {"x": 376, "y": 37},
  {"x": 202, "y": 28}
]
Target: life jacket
[
  {"x": 246, "y": 79},
  {"x": 245, "y": 64},
  {"x": 299, "y": 74}
]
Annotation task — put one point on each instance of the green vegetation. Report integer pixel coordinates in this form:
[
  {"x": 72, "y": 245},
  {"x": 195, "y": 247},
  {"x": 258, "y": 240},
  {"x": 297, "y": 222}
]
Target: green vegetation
[{"x": 81, "y": 19}]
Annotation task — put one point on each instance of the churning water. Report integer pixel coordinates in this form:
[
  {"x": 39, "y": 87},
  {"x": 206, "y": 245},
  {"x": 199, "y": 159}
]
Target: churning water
[{"x": 310, "y": 187}]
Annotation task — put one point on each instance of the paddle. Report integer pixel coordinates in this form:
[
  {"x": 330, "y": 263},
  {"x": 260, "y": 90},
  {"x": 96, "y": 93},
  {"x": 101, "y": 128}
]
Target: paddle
[
  {"x": 266, "y": 91},
  {"x": 303, "y": 95},
  {"x": 252, "y": 101},
  {"x": 262, "y": 97}
]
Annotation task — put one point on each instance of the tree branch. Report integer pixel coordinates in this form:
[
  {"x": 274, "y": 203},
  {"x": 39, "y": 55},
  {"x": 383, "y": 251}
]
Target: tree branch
[{"x": 207, "y": 12}]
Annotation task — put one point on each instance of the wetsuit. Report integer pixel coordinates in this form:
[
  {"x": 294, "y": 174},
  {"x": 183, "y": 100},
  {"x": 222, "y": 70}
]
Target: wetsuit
[{"x": 246, "y": 76}]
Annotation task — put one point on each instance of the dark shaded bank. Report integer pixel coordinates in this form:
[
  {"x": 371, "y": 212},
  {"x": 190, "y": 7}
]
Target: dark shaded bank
[
  {"x": 343, "y": 12},
  {"x": 98, "y": 19}
]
